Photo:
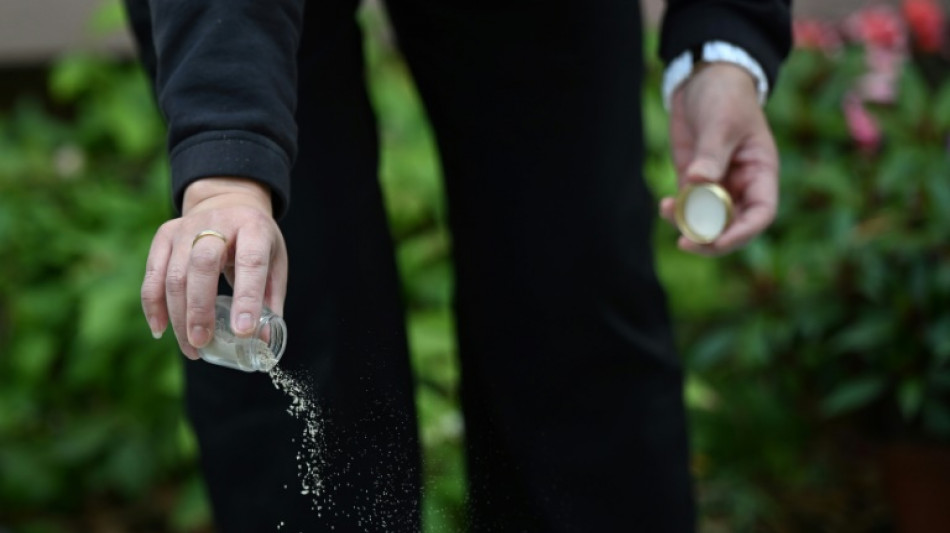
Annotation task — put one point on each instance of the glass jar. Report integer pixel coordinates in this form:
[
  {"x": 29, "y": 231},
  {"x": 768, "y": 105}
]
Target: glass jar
[{"x": 259, "y": 352}]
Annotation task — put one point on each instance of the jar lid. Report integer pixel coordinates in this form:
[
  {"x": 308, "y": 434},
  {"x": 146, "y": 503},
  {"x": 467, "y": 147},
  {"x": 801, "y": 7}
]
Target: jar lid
[{"x": 703, "y": 211}]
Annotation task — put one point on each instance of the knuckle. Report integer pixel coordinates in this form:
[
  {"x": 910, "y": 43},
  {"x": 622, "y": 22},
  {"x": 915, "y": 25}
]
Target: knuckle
[
  {"x": 153, "y": 276},
  {"x": 723, "y": 127},
  {"x": 175, "y": 280},
  {"x": 256, "y": 217},
  {"x": 248, "y": 298},
  {"x": 199, "y": 314},
  {"x": 151, "y": 291},
  {"x": 205, "y": 260},
  {"x": 252, "y": 260},
  {"x": 168, "y": 228}
]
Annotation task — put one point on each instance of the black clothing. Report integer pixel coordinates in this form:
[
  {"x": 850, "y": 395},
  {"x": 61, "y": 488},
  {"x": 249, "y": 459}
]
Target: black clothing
[
  {"x": 226, "y": 79},
  {"x": 571, "y": 386}
]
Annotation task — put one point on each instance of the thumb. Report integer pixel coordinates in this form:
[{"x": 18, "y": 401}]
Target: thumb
[{"x": 714, "y": 149}]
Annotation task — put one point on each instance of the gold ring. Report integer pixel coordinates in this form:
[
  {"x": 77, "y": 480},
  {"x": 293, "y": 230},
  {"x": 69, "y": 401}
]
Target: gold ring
[{"x": 209, "y": 233}]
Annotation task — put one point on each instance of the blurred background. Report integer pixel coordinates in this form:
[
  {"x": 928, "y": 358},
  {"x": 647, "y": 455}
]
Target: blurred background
[{"x": 818, "y": 357}]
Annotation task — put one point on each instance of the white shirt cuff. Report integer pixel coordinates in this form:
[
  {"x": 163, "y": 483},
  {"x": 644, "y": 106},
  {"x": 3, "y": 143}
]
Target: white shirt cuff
[{"x": 680, "y": 69}]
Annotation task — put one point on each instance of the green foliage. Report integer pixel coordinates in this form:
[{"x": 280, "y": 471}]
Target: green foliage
[
  {"x": 91, "y": 423},
  {"x": 859, "y": 276},
  {"x": 91, "y": 415},
  {"x": 415, "y": 203},
  {"x": 832, "y": 326},
  {"x": 830, "y": 332}
]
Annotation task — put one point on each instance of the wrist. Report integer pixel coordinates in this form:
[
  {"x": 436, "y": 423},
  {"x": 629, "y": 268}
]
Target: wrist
[
  {"x": 733, "y": 76},
  {"x": 683, "y": 67},
  {"x": 221, "y": 191}
]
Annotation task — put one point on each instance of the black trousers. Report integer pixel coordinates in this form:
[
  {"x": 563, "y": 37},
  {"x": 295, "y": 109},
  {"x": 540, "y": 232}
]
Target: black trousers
[{"x": 571, "y": 386}]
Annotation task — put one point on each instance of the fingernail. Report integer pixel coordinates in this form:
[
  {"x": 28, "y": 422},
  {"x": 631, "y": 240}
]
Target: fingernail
[
  {"x": 199, "y": 336},
  {"x": 244, "y": 323},
  {"x": 156, "y": 331}
]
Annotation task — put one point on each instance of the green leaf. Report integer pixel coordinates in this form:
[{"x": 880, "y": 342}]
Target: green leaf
[
  {"x": 192, "y": 510},
  {"x": 712, "y": 348},
  {"x": 941, "y": 108},
  {"x": 853, "y": 395},
  {"x": 130, "y": 466},
  {"x": 754, "y": 348},
  {"x": 937, "y": 419},
  {"x": 73, "y": 75},
  {"x": 910, "y": 397},
  {"x": 84, "y": 439},
  {"x": 108, "y": 18},
  {"x": 938, "y": 339},
  {"x": 940, "y": 380},
  {"x": 33, "y": 356},
  {"x": 914, "y": 97},
  {"x": 699, "y": 394},
  {"x": 892, "y": 173},
  {"x": 938, "y": 189},
  {"x": 433, "y": 348},
  {"x": 185, "y": 439},
  {"x": 865, "y": 333},
  {"x": 28, "y": 477}
]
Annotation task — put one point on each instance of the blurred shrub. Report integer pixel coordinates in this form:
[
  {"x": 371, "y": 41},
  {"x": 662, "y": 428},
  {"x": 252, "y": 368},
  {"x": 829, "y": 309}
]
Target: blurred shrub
[
  {"x": 92, "y": 431},
  {"x": 832, "y": 327},
  {"x": 836, "y": 335},
  {"x": 91, "y": 425},
  {"x": 415, "y": 202}
]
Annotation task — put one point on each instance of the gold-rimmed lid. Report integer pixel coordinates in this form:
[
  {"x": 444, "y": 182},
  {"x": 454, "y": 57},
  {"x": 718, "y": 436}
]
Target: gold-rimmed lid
[{"x": 703, "y": 211}]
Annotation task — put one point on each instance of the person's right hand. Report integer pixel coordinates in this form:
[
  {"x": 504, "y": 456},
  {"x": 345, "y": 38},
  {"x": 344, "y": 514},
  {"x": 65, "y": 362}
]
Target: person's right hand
[{"x": 181, "y": 278}]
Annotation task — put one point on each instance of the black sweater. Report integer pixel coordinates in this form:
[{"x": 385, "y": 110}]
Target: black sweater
[{"x": 225, "y": 74}]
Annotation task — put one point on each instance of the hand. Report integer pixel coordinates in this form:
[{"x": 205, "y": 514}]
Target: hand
[
  {"x": 181, "y": 280},
  {"x": 719, "y": 133}
]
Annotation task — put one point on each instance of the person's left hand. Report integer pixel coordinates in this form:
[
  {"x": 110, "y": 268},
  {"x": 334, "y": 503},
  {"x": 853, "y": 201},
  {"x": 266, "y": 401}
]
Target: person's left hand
[{"x": 719, "y": 133}]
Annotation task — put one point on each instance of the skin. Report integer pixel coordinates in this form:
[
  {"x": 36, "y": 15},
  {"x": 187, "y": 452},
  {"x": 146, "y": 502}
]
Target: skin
[
  {"x": 181, "y": 281},
  {"x": 718, "y": 131}
]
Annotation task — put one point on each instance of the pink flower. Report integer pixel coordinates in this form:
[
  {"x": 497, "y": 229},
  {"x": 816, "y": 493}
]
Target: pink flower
[
  {"x": 927, "y": 23},
  {"x": 878, "y": 88},
  {"x": 879, "y": 26},
  {"x": 812, "y": 34},
  {"x": 880, "y": 83},
  {"x": 884, "y": 61},
  {"x": 864, "y": 129}
]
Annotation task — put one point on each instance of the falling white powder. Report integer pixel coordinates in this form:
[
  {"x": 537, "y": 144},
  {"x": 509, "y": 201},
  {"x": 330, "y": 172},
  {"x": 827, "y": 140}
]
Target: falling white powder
[
  {"x": 310, "y": 453},
  {"x": 376, "y": 508}
]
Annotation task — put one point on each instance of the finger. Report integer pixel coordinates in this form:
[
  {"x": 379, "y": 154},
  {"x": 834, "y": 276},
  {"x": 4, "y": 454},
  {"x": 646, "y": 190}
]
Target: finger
[
  {"x": 153, "y": 284},
  {"x": 754, "y": 217},
  {"x": 695, "y": 248},
  {"x": 758, "y": 195},
  {"x": 252, "y": 257},
  {"x": 715, "y": 145},
  {"x": 755, "y": 211},
  {"x": 175, "y": 286},
  {"x": 276, "y": 289},
  {"x": 205, "y": 261},
  {"x": 755, "y": 220},
  {"x": 668, "y": 209}
]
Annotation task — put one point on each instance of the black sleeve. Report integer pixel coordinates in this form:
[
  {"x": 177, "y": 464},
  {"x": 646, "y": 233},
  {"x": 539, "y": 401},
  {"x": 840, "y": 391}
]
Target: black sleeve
[
  {"x": 225, "y": 77},
  {"x": 763, "y": 28}
]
